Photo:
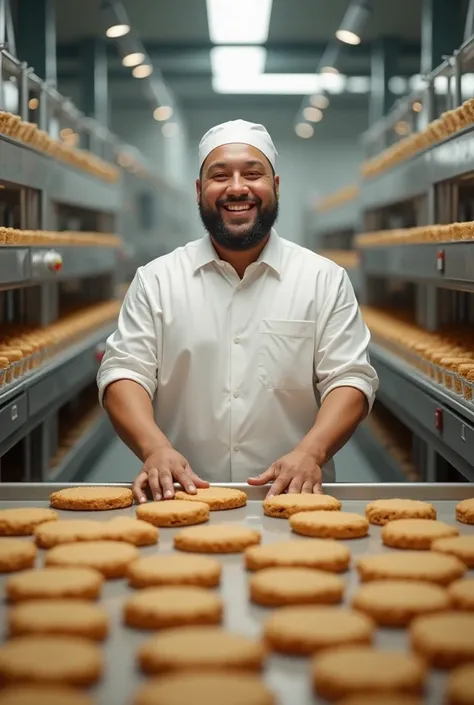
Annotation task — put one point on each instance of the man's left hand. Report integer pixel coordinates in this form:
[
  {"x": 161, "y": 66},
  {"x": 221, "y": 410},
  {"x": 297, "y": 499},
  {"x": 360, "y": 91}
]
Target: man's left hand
[{"x": 297, "y": 471}]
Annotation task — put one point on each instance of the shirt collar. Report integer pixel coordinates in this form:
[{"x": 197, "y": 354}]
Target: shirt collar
[{"x": 270, "y": 255}]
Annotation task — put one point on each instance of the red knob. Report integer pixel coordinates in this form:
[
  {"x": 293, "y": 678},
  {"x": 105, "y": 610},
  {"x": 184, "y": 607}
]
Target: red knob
[{"x": 439, "y": 419}]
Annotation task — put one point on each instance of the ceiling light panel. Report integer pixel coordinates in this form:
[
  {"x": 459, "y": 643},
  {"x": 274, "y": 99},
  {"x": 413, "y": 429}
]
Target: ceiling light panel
[
  {"x": 268, "y": 83},
  {"x": 242, "y": 22},
  {"x": 238, "y": 60}
]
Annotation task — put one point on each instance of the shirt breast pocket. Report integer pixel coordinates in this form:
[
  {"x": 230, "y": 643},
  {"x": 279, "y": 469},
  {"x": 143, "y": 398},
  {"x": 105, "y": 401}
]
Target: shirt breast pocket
[{"x": 285, "y": 354}]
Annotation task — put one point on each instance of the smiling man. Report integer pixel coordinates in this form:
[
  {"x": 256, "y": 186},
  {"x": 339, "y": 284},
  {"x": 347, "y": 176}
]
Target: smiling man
[{"x": 241, "y": 356}]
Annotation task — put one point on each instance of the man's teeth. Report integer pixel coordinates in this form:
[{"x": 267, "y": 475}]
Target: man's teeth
[{"x": 240, "y": 207}]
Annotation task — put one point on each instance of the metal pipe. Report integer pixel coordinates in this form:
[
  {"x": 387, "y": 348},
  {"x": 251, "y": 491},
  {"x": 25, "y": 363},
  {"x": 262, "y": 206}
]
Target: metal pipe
[{"x": 457, "y": 79}]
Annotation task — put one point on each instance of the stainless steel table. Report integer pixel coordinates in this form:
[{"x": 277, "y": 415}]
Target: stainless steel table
[{"x": 287, "y": 676}]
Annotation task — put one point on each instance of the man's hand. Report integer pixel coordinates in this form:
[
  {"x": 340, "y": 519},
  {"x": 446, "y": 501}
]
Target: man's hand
[
  {"x": 161, "y": 468},
  {"x": 298, "y": 471}
]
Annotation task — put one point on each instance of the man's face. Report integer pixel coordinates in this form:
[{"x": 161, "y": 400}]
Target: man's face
[{"x": 238, "y": 196}]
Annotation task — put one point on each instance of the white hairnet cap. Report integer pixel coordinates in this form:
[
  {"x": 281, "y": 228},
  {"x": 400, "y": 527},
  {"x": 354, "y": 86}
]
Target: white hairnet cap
[{"x": 238, "y": 131}]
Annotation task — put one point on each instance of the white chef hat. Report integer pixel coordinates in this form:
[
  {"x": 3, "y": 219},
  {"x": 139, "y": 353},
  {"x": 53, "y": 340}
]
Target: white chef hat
[{"x": 238, "y": 131}]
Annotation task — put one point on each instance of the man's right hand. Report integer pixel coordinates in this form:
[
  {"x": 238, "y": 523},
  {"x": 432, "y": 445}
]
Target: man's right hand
[{"x": 161, "y": 468}]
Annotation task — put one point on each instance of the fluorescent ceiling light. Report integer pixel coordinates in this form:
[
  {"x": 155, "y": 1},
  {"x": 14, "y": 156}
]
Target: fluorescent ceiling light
[
  {"x": 397, "y": 85},
  {"x": 133, "y": 59},
  {"x": 333, "y": 83},
  {"x": 304, "y": 130},
  {"x": 344, "y": 35},
  {"x": 358, "y": 84},
  {"x": 353, "y": 21},
  {"x": 312, "y": 114},
  {"x": 162, "y": 113},
  {"x": 319, "y": 101},
  {"x": 268, "y": 83},
  {"x": 238, "y": 21},
  {"x": 239, "y": 60},
  {"x": 142, "y": 71},
  {"x": 330, "y": 70}
]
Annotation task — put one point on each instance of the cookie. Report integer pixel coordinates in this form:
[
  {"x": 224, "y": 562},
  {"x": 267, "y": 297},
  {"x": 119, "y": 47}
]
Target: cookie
[
  {"x": 130, "y": 530},
  {"x": 173, "y": 513},
  {"x": 460, "y": 546},
  {"x": 465, "y": 511},
  {"x": 68, "y": 531},
  {"x": 394, "y": 603},
  {"x": 70, "y": 617},
  {"x": 460, "y": 685},
  {"x": 198, "y": 649},
  {"x": 306, "y": 629},
  {"x": 415, "y": 534},
  {"x": 282, "y": 506},
  {"x": 313, "y": 553},
  {"x": 444, "y": 640},
  {"x": 111, "y": 558},
  {"x": 64, "y": 660},
  {"x": 55, "y": 583},
  {"x": 91, "y": 498},
  {"x": 381, "y": 511},
  {"x": 16, "y": 554},
  {"x": 461, "y": 593},
  {"x": 326, "y": 525},
  {"x": 352, "y": 670},
  {"x": 274, "y": 587},
  {"x": 175, "y": 569},
  {"x": 217, "y": 498},
  {"x": 21, "y": 521},
  {"x": 42, "y": 695},
  {"x": 380, "y": 699},
  {"x": 411, "y": 565},
  {"x": 216, "y": 538},
  {"x": 178, "y": 606},
  {"x": 213, "y": 688}
]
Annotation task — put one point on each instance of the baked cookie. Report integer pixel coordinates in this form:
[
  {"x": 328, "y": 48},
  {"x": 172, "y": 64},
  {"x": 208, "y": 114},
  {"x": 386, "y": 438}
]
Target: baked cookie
[
  {"x": 444, "y": 640},
  {"x": 426, "y": 566},
  {"x": 68, "y": 531},
  {"x": 211, "y": 688},
  {"x": 178, "y": 606},
  {"x": 313, "y": 553},
  {"x": 381, "y": 511},
  {"x": 361, "y": 670},
  {"x": 175, "y": 569},
  {"x": 216, "y": 498},
  {"x": 216, "y": 538},
  {"x": 394, "y": 603},
  {"x": 69, "y": 617},
  {"x": 461, "y": 593},
  {"x": 460, "y": 546},
  {"x": 21, "y": 521},
  {"x": 274, "y": 587},
  {"x": 16, "y": 554},
  {"x": 130, "y": 530},
  {"x": 198, "y": 649},
  {"x": 306, "y": 629},
  {"x": 111, "y": 558},
  {"x": 64, "y": 660},
  {"x": 173, "y": 513},
  {"x": 43, "y": 695},
  {"x": 55, "y": 583},
  {"x": 380, "y": 699},
  {"x": 460, "y": 685},
  {"x": 330, "y": 525},
  {"x": 415, "y": 534},
  {"x": 92, "y": 498},
  {"x": 465, "y": 511},
  {"x": 282, "y": 506}
]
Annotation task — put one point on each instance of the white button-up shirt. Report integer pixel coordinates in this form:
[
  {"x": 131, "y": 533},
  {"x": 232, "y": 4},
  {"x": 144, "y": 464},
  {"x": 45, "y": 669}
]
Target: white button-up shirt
[{"x": 237, "y": 368}]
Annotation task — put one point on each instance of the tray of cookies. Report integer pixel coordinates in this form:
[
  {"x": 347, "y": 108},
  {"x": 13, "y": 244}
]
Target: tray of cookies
[{"x": 361, "y": 596}]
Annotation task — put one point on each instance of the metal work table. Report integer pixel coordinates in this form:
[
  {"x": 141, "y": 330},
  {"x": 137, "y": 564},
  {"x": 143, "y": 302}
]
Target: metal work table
[{"x": 287, "y": 676}]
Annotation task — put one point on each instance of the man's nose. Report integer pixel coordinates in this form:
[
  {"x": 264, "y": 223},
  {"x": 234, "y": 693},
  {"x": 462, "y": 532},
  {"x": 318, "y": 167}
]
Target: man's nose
[{"x": 237, "y": 186}]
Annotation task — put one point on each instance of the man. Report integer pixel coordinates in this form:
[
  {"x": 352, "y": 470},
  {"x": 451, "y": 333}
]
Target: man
[{"x": 241, "y": 356}]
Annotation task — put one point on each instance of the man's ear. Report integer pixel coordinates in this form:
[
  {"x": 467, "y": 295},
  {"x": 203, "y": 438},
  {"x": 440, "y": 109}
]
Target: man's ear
[
  {"x": 277, "y": 186},
  {"x": 198, "y": 190}
]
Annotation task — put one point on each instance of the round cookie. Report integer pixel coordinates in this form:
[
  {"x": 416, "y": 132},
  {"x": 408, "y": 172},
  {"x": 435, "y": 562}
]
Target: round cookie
[
  {"x": 165, "y": 607},
  {"x": 63, "y": 660},
  {"x": 200, "y": 648},
  {"x": 16, "y": 554},
  {"x": 55, "y": 583},
  {"x": 91, "y": 498},
  {"x": 111, "y": 558},
  {"x": 380, "y": 699},
  {"x": 415, "y": 534},
  {"x": 21, "y": 521},
  {"x": 306, "y": 629},
  {"x": 130, "y": 530},
  {"x": 70, "y": 617},
  {"x": 460, "y": 685},
  {"x": 326, "y": 525},
  {"x": 68, "y": 531},
  {"x": 173, "y": 513},
  {"x": 216, "y": 538},
  {"x": 362, "y": 670},
  {"x": 274, "y": 587},
  {"x": 42, "y": 695},
  {"x": 461, "y": 593},
  {"x": 282, "y": 506},
  {"x": 381, "y": 511},
  {"x": 426, "y": 566},
  {"x": 211, "y": 688},
  {"x": 174, "y": 569},
  {"x": 217, "y": 498},
  {"x": 394, "y": 603},
  {"x": 465, "y": 511},
  {"x": 324, "y": 554},
  {"x": 444, "y": 640},
  {"x": 460, "y": 546}
]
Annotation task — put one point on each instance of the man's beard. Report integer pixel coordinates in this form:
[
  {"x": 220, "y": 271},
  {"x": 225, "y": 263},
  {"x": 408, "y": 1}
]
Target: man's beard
[{"x": 247, "y": 239}]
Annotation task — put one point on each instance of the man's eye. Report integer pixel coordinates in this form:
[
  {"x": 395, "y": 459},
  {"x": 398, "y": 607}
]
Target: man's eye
[
  {"x": 254, "y": 174},
  {"x": 220, "y": 176}
]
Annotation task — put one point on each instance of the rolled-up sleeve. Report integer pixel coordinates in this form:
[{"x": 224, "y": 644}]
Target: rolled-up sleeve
[
  {"x": 132, "y": 351},
  {"x": 341, "y": 346}
]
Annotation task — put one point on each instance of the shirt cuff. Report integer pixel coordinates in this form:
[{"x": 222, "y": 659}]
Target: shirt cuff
[
  {"x": 355, "y": 382},
  {"x": 106, "y": 378}
]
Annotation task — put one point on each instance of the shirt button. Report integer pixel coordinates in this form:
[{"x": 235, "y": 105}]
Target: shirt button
[
  {"x": 236, "y": 447},
  {"x": 236, "y": 340},
  {"x": 236, "y": 394}
]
